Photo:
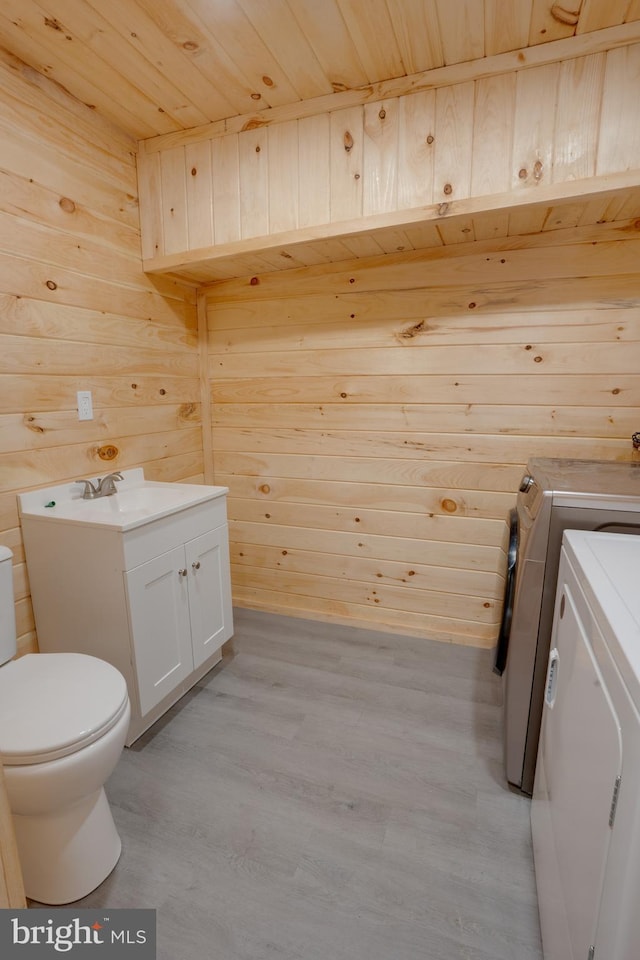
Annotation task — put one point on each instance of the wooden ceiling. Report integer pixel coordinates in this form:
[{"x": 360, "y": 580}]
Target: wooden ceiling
[{"x": 159, "y": 66}]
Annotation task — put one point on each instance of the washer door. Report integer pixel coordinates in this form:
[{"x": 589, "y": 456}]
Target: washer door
[{"x": 502, "y": 646}]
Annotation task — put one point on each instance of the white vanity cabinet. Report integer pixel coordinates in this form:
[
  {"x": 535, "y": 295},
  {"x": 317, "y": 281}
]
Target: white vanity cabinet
[
  {"x": 149, "y": 594},
  {"x": 178, "y": 613}
]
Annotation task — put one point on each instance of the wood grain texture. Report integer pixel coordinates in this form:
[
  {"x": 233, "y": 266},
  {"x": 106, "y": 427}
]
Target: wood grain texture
[
  {"x": 77, "y": 312},
  {"x": 199, "y": 190},
  {"x": 355, "y": 409},
  {"x": 521, "y": 215},
  {"x": 346, "y": 160},
  {"x": 416, "y": 149},
  {"x": 253, "y": 153},
  {"x": 494, "y": 114},
  {"x": 169, "y": 68},
  {"x": 577, "y": 118},
  {"x": 380, "y": 169},
  {"x": 324, "y": 771},
  {"x": 554, "y": 51},
  {"x": 398, "y": 161},
  {"x": 618, "y": 150}
]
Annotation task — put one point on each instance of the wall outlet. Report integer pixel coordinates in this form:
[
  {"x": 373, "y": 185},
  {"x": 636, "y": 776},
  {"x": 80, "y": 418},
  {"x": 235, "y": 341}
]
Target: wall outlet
[{"x": 85, "y": 405}]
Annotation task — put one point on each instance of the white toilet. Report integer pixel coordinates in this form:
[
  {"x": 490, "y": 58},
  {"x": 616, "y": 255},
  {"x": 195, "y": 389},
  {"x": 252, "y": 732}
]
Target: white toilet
[{"x": 63, "y": 722}]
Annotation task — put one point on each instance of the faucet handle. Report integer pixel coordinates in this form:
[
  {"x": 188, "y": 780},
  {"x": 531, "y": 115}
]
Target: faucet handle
[
  {"x": 110, "y": 477},
  {"x": 89, "y": 491},
  {"x": 106, "y": 486}
]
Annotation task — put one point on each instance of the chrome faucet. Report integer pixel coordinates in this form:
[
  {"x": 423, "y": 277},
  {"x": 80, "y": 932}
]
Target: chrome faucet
[{"x": 105, "y": 486}]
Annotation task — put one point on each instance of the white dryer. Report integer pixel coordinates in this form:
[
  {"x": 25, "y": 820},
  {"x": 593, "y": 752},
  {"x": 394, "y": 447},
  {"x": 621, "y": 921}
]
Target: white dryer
[{"x": 585, "y": 812}]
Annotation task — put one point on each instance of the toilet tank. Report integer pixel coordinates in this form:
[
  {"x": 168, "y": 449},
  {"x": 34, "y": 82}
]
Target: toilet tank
[{"x": 7, "y": 608}]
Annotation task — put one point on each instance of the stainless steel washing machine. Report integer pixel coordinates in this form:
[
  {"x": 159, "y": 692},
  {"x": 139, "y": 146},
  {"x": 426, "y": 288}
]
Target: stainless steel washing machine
[{"x": 554, "y": 495}]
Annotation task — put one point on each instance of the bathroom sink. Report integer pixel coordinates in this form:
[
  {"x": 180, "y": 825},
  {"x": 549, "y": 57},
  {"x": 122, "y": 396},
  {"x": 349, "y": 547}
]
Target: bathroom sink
[
  {"x": 136, "y": 502},
  {"x": 147, "y": 498}
]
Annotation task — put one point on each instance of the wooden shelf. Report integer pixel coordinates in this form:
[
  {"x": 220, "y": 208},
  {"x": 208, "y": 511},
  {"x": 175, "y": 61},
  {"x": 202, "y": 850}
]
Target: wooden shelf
[{"x": 614, "y": 198}]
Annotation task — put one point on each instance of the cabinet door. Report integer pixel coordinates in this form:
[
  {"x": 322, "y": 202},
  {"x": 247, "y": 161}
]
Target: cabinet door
[
  {"x": 161, "y": 631},
  {"x": 209, "y": 592}
]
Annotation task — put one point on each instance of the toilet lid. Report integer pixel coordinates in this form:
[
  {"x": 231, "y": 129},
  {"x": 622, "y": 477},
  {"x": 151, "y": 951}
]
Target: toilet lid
[{"x": 53, "y": 704}]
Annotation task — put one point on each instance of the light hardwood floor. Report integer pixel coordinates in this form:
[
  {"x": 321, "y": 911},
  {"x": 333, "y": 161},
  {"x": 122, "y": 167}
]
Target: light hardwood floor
[{"x": 328, "y": 794}]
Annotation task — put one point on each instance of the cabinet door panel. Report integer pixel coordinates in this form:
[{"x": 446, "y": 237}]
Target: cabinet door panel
[
  {"x": 161, "y": 631},
  {"x": 209, "y": 592}
]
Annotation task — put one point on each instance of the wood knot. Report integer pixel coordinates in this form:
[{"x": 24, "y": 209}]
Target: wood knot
[
  {"x": 254, "y": 281},
  {"x": 382, "y": 113},
  {"x": 190, "y": 45},
  {"x": 430, "y": 139},
  {"x": 562, "y": 15},
  {"x": 268, "y": 82},
  {"x": 443, "y": 209},
  {"x": 348, "y": 141},
  {"x": 255, "y": 123},
  {"x": 265, "y": 488},
  {"x": 52, "y": 285},
  {"x": 410, "y": 332},
  {"x": 450, "y": 506},
  {"x": 108, "y": 452},
  {"x": 522, "y": 173},
  {"x": 188, "y": 411},
  {"x": 448, "y": 189},
  {"x": 66, "y": 204},
  {"x": 30, "y": 422},
  {"x": 537, "y": 170},
  {"x": 254, "y": 96}
]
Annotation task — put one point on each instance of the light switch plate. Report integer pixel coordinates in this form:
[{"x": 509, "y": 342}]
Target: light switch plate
[{"x": 85, "y": 405}]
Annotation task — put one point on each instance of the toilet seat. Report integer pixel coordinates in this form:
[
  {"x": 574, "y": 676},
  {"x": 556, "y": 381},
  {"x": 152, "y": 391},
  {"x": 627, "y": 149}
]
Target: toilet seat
[{"x": 54, "y": 704}]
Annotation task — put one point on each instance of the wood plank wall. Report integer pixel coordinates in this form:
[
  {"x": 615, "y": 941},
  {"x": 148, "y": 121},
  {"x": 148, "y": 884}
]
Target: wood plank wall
[
  {"x": 573, "y": 119},
  {"x": 372, "y": 419},
  {"x": 77, "y": 313}
]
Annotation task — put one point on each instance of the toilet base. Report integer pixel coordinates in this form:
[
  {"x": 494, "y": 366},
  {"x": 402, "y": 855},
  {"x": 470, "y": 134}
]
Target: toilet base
[{"x": 67, "y": 854}]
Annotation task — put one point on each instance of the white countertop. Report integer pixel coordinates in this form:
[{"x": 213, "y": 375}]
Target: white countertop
[{"x": 137, "y": 501}]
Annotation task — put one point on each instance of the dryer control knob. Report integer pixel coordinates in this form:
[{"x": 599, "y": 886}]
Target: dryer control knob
[{"x": 526, "y": 483}]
